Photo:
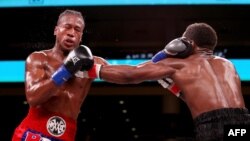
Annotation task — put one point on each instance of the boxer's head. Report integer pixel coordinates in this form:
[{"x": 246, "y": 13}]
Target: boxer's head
[
  {"x": 203, "y": 35},
  {"x": 69, "y": 29},
  {"x": 70, "y": 12}
]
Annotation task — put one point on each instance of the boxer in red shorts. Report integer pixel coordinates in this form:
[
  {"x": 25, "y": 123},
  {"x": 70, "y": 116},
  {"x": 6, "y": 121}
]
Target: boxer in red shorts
[{"x": 54, "y": 86}]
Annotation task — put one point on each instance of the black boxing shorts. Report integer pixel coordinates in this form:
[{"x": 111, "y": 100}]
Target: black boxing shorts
[{"x": 209, "y": 126}]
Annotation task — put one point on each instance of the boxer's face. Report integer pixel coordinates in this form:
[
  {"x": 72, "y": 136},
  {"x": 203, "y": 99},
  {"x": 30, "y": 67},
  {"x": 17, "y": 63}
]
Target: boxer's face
[{"x": 69, "y": 31}]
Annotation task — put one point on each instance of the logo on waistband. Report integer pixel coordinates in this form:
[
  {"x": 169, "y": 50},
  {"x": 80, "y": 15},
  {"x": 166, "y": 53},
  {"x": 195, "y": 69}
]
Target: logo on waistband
[{"x": 56, "y": 126}]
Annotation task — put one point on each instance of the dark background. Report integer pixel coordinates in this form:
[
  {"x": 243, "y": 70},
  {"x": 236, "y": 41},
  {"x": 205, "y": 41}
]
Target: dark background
[{"x": 114, "y": 32}]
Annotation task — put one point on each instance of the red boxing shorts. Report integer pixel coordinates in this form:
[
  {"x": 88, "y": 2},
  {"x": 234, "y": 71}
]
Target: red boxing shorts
[{"x": 41, "y": 125}]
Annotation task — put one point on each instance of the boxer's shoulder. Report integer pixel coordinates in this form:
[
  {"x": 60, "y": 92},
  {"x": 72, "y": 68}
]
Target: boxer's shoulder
[
  {"x": 37, "y": 58},
  {"x": 38, "y": 55}
]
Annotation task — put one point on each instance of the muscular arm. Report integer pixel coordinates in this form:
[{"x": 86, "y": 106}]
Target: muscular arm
[
  {"x": 125, "y": 74},
  {"x": 38, "y": 86},
  {"x": 100, "y": 60}
]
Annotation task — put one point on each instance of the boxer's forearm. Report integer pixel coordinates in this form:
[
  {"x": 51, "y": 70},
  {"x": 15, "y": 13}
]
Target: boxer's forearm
[
  {"x": 125, "y": 74},
  {"x": 121, "y": 74}
]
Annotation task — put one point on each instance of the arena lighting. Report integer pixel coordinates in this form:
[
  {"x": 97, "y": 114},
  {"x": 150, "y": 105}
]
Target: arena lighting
[
  {"x": 13, "y": 71},
  {"x": 47, "y": 3}
]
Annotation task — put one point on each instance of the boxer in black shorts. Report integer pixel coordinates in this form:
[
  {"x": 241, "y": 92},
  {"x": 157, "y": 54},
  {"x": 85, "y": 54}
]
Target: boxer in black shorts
[{"x": 209, "y": 84}]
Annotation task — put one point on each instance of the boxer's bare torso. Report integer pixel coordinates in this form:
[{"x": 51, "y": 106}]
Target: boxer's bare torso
[
  {"x": 42, "y": 92},
  {"x": 207, "y": 82}
]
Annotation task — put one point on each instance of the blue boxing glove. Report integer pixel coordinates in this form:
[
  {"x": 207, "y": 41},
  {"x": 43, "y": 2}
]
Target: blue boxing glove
[
  {"x": 61, "y": 75},
  {"x": 177, "y": 48},
  {"x": 77, "y": 58}
]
